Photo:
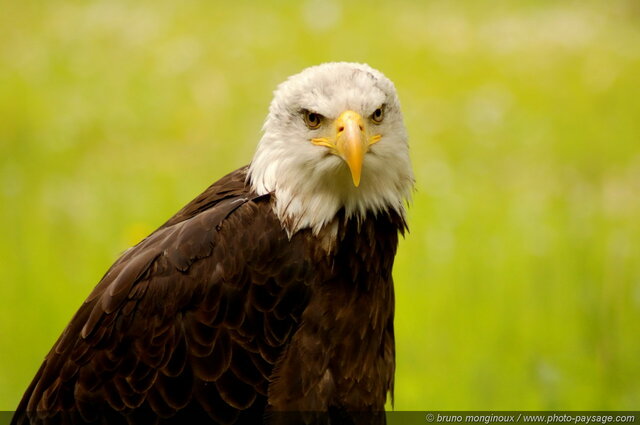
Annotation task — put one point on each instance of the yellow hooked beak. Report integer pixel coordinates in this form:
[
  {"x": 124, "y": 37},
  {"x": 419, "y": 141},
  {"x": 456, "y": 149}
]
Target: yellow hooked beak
[{"x": 350, "y": 142}]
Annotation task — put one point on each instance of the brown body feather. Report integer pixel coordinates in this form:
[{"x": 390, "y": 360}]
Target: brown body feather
[{"x": 220, "y": 317}]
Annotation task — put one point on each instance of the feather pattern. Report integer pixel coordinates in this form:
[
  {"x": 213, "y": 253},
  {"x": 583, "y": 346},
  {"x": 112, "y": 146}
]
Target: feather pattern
[{"x": 220, "y": 317}]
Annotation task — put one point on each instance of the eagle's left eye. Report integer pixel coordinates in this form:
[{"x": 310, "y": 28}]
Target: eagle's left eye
[
  {"x": 378, "y": 115},
  {"x": 312, "y": 119}
]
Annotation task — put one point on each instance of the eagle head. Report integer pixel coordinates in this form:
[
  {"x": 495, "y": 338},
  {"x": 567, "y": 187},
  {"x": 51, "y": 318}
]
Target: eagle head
[{"x": 334, "y": 139}]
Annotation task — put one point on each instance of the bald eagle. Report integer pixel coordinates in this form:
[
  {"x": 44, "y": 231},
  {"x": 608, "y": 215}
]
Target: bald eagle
[{"x": 268, "y": 298}]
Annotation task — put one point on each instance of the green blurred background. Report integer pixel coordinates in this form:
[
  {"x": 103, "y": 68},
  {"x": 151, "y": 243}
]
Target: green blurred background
[{"x": 519, "y": 284}]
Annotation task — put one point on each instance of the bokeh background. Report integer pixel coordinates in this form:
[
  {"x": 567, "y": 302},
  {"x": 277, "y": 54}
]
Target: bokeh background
[{"x": 519, "y": 284}]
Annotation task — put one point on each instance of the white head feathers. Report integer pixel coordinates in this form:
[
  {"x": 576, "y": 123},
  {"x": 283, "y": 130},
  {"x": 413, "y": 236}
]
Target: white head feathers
[{"x": 310, "y": 183}]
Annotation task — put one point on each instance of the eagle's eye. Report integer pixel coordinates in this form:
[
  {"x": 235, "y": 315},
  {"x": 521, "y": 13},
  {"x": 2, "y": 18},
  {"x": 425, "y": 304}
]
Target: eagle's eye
[
  {"x": 312, "y": 119},
  {"x": 378, "y": 115}
]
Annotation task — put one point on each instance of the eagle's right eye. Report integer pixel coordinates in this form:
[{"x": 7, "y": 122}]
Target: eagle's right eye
[{"x": 312, "y": 119}]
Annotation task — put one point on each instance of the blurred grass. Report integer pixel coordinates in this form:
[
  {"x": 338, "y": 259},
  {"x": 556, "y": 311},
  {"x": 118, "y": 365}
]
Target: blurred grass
[{"x": 519, "y": 285}]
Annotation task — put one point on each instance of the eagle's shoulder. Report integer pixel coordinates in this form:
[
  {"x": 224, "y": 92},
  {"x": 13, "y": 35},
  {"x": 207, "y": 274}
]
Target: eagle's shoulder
[
  {"x": 231, "y": 186},
  {"x": 195, "y": 315}
]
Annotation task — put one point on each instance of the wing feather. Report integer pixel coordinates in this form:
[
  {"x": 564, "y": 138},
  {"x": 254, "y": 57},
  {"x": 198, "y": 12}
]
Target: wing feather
[{"x": 195, "y": 316}]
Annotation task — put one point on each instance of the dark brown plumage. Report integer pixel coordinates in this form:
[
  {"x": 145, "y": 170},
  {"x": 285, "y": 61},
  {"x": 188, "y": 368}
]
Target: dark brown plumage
[{"x": 219, "y": 317}]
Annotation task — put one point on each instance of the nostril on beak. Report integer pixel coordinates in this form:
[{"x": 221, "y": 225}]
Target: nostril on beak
[
  {"x": 361, "y": 127},
  {"x": 341, "y": 128}
]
